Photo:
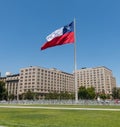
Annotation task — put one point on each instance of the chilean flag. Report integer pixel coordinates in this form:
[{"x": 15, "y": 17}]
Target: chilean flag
[{"x": 61, "y": 36}]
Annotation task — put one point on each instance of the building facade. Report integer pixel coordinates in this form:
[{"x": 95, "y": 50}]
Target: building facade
[
  {"x": 11, "y": 84},
  {"x": 100, "y": 78},
  {"x": 42, "y": 80}
]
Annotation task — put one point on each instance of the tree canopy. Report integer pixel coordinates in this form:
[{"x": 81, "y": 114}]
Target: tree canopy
[
  {"x": 3, "y": 91},
  {"x": 86, "y": 93}
]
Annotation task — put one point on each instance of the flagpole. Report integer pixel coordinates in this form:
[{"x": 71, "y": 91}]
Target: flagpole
[{"x": 75, "y": 65}]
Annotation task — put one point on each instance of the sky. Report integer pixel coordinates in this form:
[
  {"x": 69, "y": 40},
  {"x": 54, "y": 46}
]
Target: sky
[{"x": 24, "y": 25}]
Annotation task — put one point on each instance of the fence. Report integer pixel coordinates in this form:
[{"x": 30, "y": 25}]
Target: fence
[{"x": 64, "y": 102}]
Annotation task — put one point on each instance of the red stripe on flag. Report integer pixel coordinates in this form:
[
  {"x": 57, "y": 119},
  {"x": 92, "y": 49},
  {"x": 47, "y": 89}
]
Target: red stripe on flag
[{"x": 64, "y": 39}]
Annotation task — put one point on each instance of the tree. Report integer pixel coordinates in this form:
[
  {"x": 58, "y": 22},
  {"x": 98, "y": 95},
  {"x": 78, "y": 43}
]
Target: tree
[
  {"x": 103, "y": 96},
  {"x": 82, "y": 93},
  {"x": 86, "y": 93},
  {"x": 108, "y": 96},
  {"x": 90, "y": 93},
  {"x": 51, "y": 95},
  {"x": 29, "y": 95},
  {"x": 3, "y": 91},
  {"x": 116, "y": 93},
  {"x": 59, "y": 96},
  {"x": 11, "y": 97}
]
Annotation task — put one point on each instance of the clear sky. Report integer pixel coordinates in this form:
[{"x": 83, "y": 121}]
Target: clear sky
[{"x": 24, "y": 25}]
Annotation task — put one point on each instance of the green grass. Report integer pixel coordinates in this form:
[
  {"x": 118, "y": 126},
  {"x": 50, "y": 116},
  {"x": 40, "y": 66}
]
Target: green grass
[
  {"x": 59, "y": 118},
  {"x": 77, "y": 106}
]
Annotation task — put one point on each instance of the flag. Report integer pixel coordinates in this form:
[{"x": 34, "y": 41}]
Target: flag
[{"x": 63, "y": 35}]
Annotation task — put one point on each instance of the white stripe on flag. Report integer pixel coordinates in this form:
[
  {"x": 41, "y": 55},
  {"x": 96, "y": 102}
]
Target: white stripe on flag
[{"x": 54, "y": 34}]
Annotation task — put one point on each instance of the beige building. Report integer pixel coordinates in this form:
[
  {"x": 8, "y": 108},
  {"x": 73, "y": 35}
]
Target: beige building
[
  {"x": 42, "y": 80},
  {"x": 11, "y": 84},
  {"x": 100, "y": 78}
]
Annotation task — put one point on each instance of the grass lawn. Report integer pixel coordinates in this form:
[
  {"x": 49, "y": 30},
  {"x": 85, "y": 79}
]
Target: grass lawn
[
  {"x": 75, "y": 106},
  {"x": 10, "y": 117}
]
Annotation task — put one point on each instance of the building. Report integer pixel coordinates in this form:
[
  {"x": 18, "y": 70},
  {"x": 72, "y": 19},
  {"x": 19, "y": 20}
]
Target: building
[
  {"x": 11, "y": 84},
  {"x": 100, "y": 78},
  {"x": 42, "y": 80}
]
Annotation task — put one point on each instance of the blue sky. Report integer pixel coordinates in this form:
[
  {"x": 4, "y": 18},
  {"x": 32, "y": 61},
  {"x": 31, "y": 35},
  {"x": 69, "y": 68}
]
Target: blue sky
[{"x": 24, "y": 25}]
